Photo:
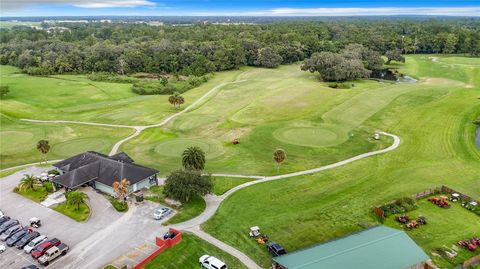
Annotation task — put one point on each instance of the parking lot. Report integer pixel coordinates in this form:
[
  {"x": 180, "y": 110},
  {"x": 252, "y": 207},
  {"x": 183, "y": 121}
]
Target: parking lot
[{"x": 103, "y": 238}]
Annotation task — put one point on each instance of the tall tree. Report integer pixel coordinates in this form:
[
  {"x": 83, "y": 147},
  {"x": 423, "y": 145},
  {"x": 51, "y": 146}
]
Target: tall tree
[
  {"x": 121, "y": 189},
  {"x": 193, "y": 158},
  {"x": 44, "y": 147},
  {"x": 335, "y": 66},
  {"x": 267, "y": 57},
  {"x": 27, "y": 182},
  {"x": 182, "y": 185},
  {"x": 76, "y": 198},
  {"x": 279, "y": 156},
  {"x": 394, "y": 55},
  {"x": 176, "y": 100}
]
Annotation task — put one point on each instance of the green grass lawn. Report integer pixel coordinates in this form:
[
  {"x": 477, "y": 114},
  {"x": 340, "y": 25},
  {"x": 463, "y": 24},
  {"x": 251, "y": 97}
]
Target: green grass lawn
[
  {"x": 18, "y": 140},
  {"x": 445, "y": 227},
  {"x": 437, "y": 148},
  {"x": 223, "y": 184},
  {"x": 185, "y": 255},
  {"x": 37, "y": 194},
  {"x": 292, "y": 119},
  {"x": 81, "y": 214},
  {"x": 188, "y": 210},
  {"x": 75, "y": 97}
]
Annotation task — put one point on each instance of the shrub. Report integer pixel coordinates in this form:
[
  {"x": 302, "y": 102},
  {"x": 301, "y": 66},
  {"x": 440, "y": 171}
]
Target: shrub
[
  {"x": 477, "y": 121},
  {"x": 48, "y": 186},
  {"x": 340, "y": 85},
  {"x": 53, "y": 172},
  {"x": 110, "y": 77},
  {"x": 119, "y": 206}
]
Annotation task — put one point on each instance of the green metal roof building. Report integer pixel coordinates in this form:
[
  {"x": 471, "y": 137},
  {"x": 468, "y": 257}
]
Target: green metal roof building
[{"x": 379, "y": 247}]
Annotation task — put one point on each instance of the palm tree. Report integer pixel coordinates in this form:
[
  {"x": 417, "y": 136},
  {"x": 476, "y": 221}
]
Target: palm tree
[
  {"x": 27, "y": 182},
  {"x": 279, "y": 156},
  {"x": 76, "y": 198},
  {"x": 193, "y": 158},
  {"x": 44, "y": 148},
  {"x": 121, "y": 188}
]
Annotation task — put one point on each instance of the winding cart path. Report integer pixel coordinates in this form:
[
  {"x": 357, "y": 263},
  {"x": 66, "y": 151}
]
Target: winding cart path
[{"x": 213, "y": 201}]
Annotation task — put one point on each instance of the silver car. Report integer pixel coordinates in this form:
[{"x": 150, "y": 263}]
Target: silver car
[
  {"x": 10, "y": 231},
  {"x": 162, "y": 212},
  {"x": 34, "y": 243}
]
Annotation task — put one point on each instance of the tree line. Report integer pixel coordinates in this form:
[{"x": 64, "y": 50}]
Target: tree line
[{"x": 201, "y": 49}]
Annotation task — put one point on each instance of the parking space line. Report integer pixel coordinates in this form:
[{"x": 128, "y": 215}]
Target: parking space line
[
  {"x": 128, "y": 258},
  {"x": 19, "y": 254},
  {"x": 136, "y": 248}
]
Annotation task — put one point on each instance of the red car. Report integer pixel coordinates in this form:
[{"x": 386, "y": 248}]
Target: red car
[{"x": 40, "y": 250}]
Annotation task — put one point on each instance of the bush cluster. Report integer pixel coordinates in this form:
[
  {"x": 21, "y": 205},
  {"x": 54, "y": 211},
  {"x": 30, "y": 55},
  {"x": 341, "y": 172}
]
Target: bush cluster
[
  {"x": 111, "y": 77},
  {"x": 401, "y": 205},
  {"x": 119, "y": 206},
  {"x": 148, "y": 87}
]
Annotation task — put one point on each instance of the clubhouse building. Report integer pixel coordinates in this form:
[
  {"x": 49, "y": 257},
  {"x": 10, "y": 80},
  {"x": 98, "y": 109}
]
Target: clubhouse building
[{"x": 100, "y": 171}]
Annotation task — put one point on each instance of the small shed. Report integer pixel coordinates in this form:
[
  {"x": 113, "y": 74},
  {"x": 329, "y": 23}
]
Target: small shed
[{"x": 379, "y": 247}]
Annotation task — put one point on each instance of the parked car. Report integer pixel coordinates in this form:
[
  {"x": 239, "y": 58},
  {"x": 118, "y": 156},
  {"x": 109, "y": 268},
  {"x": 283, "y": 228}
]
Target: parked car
[
  {"x": 34, "y": 243},
  {"x": 211, "y": 262},
  {"x": 2, "y": 248},
  {"x": 168, "y": 235},
  {"x": 275, "y": 249},
  {"x": 40, "y": 250},
  {"x": 4, "y": 219},
  {"x": 26, "y": 239},
  {"x": 30, "y": 267},
  {"x": 162, "y": 212},
  {"x": 53, "y": 253},
  {"x": 17, "y": 237},
  {"x": 10, "y": 231},
  {"x": 7, "y": 225}
]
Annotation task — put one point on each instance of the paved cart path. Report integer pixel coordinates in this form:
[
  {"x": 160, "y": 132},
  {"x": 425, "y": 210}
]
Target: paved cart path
[{"x": 213, "y": 201}]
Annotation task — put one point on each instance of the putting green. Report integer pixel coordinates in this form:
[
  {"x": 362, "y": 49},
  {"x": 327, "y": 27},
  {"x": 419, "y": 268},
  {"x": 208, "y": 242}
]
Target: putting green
[
  {"x": 12, "y": 142},
  {"x": 76, "y": 146},
  {"x": 315, "y": 136},
  {"x": 175, "y": 148}
]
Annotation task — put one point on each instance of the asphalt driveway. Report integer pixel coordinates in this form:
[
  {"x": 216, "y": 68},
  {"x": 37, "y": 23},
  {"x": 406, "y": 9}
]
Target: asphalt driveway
[{"x": 106, "y": 236}]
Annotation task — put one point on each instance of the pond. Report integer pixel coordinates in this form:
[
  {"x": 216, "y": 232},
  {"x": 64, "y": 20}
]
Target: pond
[{"x": 477, "y": 138}]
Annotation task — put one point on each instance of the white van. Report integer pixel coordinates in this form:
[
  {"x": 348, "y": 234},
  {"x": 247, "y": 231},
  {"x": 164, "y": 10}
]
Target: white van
[
  {"x": 211, "y": 262},
  {"x": 34, "y": 243}
]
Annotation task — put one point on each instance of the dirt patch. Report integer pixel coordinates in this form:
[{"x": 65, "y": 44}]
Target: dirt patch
[
  {"x": 443, "y": 81},
  {"x": 235, "y": 133}
]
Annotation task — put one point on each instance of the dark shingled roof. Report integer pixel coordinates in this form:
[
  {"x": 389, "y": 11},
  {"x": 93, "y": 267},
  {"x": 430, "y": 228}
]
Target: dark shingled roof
[
  {"x": 92, "y": 165},
  {"x": 122, "y": 156}
]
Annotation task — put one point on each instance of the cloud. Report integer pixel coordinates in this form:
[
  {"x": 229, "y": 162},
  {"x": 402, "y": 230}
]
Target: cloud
[
  {"x": 19, "y": 5},
  {"x": 430, "y": 11},
  {"x": 448, "y": 11}
]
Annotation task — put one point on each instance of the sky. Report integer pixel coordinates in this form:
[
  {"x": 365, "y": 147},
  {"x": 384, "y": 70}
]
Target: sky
[{"x": 237, "y": 7}]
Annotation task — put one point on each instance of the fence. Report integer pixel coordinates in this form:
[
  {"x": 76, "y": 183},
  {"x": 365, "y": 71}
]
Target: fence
[
  {"x": 420, "y": 195},
  {"x": 471, "y": 262},
  {"x": 162, "y": 246}
]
